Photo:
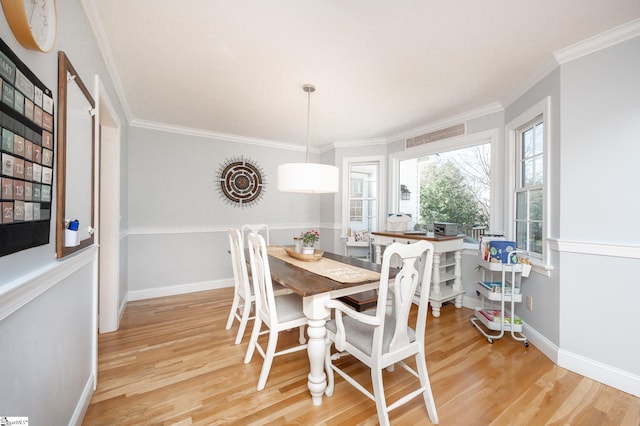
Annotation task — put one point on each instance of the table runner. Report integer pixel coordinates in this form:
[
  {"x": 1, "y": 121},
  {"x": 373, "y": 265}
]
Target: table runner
[{"x": 329, "y": 268}]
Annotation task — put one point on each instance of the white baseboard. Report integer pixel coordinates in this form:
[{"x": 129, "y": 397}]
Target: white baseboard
[
  {"x": 611, "y": 376},
  {"x": 178, "y": 289},
  {"x": 546, "y": 346},
  {"x": 83, "y": 402},
  {"x": 121, "y": 310}
]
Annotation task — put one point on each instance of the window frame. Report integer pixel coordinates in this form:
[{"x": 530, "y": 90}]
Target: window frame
[
  {"x": 541, "y": 264},
  {"x": 445, "y": 145},
  {"x": 347, "y": 162},
  {"x": 528, "y": 189}
]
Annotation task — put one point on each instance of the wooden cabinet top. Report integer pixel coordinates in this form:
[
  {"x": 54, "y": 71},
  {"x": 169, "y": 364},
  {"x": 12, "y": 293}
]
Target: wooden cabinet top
[{"x": 411, "y": 236}]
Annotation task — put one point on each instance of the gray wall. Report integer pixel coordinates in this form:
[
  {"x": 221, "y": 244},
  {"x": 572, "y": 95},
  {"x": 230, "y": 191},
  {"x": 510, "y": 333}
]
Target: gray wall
[
  {"x": 545, "y": 290},
  {"x": 46, "y": 362},
  {"x": 177, "y": 220},
  {"x": 47, "y": 306},
  {"x": 600, "y": 288}
]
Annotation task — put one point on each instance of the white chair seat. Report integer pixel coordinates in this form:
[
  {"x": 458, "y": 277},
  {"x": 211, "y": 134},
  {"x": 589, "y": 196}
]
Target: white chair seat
[
  {"x": 361, "y": 335},
  {"x": 289, "y": 307}
]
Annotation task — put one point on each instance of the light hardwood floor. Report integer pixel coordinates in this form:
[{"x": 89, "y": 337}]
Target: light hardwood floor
[{"x": 173, "y": 363}]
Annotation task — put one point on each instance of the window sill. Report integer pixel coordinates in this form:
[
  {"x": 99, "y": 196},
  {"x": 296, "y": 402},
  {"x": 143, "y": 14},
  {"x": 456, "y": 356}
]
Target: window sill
[{"x": 541, "y": 268}]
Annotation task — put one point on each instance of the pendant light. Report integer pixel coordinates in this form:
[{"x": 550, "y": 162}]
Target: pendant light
[{"x": 308, "y": 177}]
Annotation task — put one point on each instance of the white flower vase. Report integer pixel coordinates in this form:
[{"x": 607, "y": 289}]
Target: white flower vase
[{"x": 308, "y": 250}]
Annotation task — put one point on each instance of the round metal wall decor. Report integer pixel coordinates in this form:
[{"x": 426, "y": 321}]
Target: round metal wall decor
[{"x": 241, "y": 181}]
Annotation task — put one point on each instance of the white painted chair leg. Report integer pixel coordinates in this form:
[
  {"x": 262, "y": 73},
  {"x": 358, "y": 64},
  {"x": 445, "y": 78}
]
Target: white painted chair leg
[
  {"x": 426, "y": 384},
  {"x": 268, "y": 359},
  {"x": 329, "y": 371},
  {"x": 246, "y": 312},
  {"x": 378, "y": 393},
  {"x": 257, "y": 324},
  {"x": 232, "y": 313}
]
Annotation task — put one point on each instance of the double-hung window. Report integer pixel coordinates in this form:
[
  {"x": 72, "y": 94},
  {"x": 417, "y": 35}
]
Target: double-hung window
[
  {"x": 528, "y": 142},
  {"x": 529, "y": 187}
]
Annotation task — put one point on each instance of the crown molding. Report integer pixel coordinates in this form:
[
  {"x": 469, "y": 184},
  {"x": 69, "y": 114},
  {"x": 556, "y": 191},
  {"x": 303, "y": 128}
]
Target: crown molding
[
  {"x": 575, "y": 51},
  {"x": 601, "y": 41},
  {"x": 351, "y": 144},
  {"x": 153, "y": 125}
]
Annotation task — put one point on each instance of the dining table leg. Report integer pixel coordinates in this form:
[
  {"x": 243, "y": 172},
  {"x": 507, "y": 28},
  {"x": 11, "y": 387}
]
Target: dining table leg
[{"x": 317, "y": 315}]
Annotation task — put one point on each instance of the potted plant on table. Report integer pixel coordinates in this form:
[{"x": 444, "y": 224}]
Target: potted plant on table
[{"x": 309, "y": 240}]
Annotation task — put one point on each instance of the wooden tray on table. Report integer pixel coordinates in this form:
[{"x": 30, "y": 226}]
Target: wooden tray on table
[{"x": 317, "y": 255}]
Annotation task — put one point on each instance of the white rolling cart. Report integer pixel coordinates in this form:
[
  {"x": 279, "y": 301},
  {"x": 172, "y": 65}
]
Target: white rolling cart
[{"x": 499, "y": 297}]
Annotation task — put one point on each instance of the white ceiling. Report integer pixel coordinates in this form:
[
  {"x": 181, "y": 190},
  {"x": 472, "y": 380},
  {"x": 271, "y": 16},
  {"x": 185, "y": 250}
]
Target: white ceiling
[{"x": 382, "y": 68}]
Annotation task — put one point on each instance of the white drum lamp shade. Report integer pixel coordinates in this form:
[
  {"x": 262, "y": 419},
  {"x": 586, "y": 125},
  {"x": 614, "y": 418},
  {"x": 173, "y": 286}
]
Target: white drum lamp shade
[{"x": 308, "y": 178}]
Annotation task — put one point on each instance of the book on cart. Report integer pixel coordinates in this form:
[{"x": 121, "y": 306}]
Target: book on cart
[
  {"x": 496, "y": 287},
  {"x": 494, "y": 315}
]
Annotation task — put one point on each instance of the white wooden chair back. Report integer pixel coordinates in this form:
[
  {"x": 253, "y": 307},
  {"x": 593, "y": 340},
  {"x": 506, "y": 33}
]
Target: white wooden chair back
[
  {"x": 239, "y": 264},
  {"x": 404, "y": 285},
  {"x": 261, "y": 277},
  {"x": 260, "y": 228}
]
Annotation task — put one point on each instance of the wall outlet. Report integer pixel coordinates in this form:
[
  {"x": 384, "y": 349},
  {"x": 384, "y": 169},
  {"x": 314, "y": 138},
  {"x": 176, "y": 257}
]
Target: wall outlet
[{"x": 529, "y": 301}]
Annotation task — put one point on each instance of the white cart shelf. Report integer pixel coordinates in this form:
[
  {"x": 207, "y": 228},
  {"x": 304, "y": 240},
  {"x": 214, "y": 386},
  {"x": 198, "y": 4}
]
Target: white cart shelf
[{"x": 499, "y": 297}]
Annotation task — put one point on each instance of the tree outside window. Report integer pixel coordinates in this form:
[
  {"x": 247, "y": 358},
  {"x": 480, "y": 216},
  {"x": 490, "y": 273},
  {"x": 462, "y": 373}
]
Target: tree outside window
[{"x": 453, "y": 186}]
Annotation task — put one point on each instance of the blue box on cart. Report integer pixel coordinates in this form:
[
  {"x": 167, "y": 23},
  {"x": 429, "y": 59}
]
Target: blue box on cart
[{"x": 502, "y": 251}]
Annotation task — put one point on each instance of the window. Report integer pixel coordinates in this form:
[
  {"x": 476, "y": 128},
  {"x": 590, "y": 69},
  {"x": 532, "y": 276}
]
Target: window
[
  {"x": 362, "y": 201},
  {"x": 357, "y": 181},
  {"x": 528, "y": 206},
  {"x": 448, "y": 181},
  {"x": 529, "y": 187}
]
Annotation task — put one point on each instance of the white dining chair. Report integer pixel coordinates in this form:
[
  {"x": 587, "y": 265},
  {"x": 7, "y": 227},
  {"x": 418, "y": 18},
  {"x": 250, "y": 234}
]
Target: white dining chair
[
  {"x": 277, "y": 313},
  {"x": 384, "y": 337},
  {"x": 243, "y": 297}
]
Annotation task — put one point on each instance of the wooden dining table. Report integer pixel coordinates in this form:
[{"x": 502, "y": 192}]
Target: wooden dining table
[{"x": 316, "y": 290}]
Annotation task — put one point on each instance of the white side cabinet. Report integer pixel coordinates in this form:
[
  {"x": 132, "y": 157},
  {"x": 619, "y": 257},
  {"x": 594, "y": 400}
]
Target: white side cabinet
[
  {"x": 446, "y": 279},
  {"x": 500, "y": 290}
]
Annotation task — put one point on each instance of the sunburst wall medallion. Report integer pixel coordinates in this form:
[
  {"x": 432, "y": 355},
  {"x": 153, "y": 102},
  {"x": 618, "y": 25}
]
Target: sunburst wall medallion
[{"x": 241, "y": 182}]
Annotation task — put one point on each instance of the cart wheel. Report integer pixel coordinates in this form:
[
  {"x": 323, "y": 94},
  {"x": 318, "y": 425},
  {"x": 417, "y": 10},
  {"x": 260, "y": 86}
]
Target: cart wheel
[
  {"x": 526, "y": 344},
  {"x": 490, "y": 341}
]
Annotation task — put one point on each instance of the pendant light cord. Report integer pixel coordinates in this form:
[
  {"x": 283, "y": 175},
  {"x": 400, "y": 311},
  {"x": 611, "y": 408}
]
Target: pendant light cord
[
  {"x": 308, "y": 116},
  {"x": 308, "y": 88}
]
